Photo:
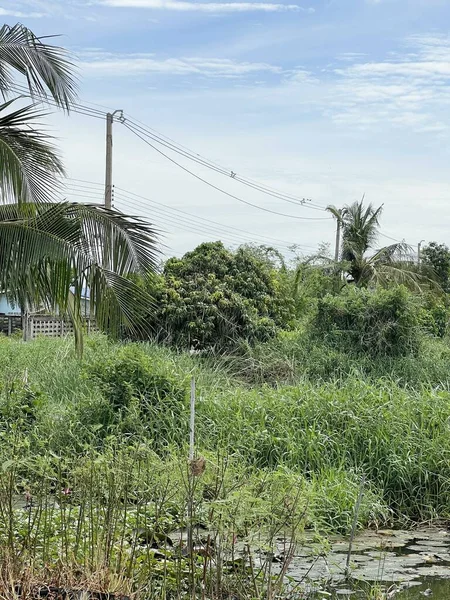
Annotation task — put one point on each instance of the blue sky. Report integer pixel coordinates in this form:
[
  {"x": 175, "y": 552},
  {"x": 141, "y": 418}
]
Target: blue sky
[{"x": 323, "y": 99}]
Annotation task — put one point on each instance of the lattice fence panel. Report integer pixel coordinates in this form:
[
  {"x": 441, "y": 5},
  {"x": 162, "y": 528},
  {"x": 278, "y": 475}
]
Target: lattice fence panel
[{"x": 53, "y": 327}]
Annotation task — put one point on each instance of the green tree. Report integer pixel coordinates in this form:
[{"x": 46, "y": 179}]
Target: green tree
[
  {"x": 437, "y": 256},
  {"x": 215, "y": 298},
  {"x": 50, "y": 251},
  {"x": 387, "y": 265}
]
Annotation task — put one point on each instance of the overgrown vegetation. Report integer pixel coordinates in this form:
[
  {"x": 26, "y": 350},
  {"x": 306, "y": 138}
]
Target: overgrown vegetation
[
  {"x": 91, "y": 446},
  {"x": 315, "y": 381},
  {"x": 214, "y": 298},
  {"x": 307, "y": 385},
  {"x": 375, "y": 322}
]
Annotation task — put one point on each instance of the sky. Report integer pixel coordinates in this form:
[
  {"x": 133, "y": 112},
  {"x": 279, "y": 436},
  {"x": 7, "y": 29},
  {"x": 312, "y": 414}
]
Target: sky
[{"x": 322, "y": 100}]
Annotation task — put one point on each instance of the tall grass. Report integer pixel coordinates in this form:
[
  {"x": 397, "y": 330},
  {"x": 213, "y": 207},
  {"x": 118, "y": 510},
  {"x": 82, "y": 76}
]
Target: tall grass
[
  {"x": 108, "y": 479},
  {"x": 294, "y": 356},
  {"x": 329, "y": 433}
]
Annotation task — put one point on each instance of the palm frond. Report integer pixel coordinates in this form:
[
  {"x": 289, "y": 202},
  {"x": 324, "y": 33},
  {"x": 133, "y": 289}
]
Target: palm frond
[
  {"x": 131, "y": 243},
  {"x": 360, "y": 228},
  {"x": 336, "y": 212},
  {"x": 395, "y": 264},
  {"x": 398, "y": 252},
  {"x": 50, "y": 252},
  {"x": 47, "y": 68},
  {"x": 29, "y": 164},
  {"x": 402, "y": 274}
]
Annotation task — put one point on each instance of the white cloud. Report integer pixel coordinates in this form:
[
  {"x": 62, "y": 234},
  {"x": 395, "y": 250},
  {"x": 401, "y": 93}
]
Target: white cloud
[
  {"x": 209, "y": 7},
  {"x": 435, "y": 69},
  {"x": 410, "y": 89},
  {"x": 99, "y": 63},
  {"x": 351, "y": 56},
  {"x": 4, "y": 12}
]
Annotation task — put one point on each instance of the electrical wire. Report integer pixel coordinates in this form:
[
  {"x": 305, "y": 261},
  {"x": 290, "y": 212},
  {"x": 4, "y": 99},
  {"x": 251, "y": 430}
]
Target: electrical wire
[
  {"x": 219, "y": 230},
  {"x": 268, "y": 210},
  {"x": 85, "y": 110},
  {"x": 158, "y": 217},
  {"x": 25, "y": 91},
  {"x": 210, "y": 221},
  {"x": 75, "y": 108},
  {"x": 176, "y": 145},
  {"x": 197, "y": 158},
  {"x": 391, "y": 238},
  {"x": 143, "y": 202},
  {"x": 171, "y": 222}
]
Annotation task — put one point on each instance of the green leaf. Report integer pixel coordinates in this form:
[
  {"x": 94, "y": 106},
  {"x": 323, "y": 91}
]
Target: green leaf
[
  {"x": 29, "y": 165},
  {"x": 7, "y": 464},
  {"x": 47, "y": 69}
]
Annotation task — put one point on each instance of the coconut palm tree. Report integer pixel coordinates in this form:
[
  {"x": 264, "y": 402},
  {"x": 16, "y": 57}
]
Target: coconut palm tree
[
  {"x": 30, "y": 167},
  {"x": 50, "y": 251},
  {"x": 359, "y": 224}
]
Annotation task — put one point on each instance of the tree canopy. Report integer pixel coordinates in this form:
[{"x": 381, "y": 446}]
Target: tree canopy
[
  {"x": 214, "y": 298},
  {"x": 363, "y": 263}
]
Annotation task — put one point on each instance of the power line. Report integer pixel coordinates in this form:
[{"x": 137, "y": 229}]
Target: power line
[
  {"x": 24, "y": 91},
  {"x": 217, "y": 229},
  {"x": 391, "y": 238},
  {"x": 268, "y": 238},
  {"x": 82, "y": 109},
  {"x": 197, "y": 158},
  {"x": 159, "y": 216},
  {"x": 75, "y": 108},
  {"x": 125, "y": 195},
  {"x": 220, "y": 189},
  {"x": 220, "y": 230},
  {"x": 178, "y": 222},
  {"x": 98, "y": 199}
]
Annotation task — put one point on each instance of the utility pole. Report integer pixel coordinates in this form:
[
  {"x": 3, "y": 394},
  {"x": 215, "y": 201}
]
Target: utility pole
[
  {"x": 338, "y": 240},
  {"x": 109, "y": 148},
  {"x": 419, "y": 252}
]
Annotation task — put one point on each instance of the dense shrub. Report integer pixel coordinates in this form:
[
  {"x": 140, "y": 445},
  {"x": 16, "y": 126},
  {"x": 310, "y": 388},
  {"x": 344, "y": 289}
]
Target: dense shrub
[
  {"x": 437, "y": 256},
  {"x": 142, "y": 396},
  {"x": 214, "y": 298},
  {"x": 19, "y": 403},
  {"x": 378, "y": 322},
  {"x": 434, "y": 315}
]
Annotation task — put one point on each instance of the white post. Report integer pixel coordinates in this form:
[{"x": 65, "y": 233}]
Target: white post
[
  {"x": 192, "y": 422},
  {"x": 190, "y": 474}
]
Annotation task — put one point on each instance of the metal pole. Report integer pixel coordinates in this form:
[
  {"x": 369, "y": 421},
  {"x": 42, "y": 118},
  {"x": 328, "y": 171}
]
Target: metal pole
[{"x": 192, "y": 422}]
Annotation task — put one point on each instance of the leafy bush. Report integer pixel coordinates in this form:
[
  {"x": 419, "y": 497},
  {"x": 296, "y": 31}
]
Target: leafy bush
[
  {"x": 437, "y": 256},
  {"x": 142, "y": 396},
  {"x": 378, "y": 322},
  {"x": 19, "y": 403},
  {"x": 434, "y": 315},
  {"x": 214, "y": 298}
]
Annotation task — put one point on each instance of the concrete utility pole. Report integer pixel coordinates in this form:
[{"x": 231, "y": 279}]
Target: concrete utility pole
[
  {"x": 338, "y": 240},
  {"x": 419, "y": 252},
  {"x": 109, "y": 147}
]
